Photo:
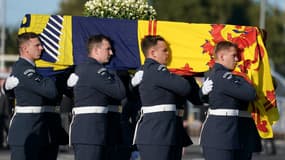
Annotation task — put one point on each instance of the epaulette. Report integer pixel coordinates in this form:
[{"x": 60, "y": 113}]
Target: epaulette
[
  {"x": 228, "y": 75},
  {"x": 161, "y": 68}
]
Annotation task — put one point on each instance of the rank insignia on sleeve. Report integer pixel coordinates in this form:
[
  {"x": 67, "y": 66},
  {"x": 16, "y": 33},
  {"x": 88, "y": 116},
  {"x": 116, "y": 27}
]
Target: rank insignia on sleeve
[
  {"x": 29, "y": 72},
  {"x": 102, "y": 71},
  {"x": 161, "y": 68},
  {"x": 227, "y": 75}
]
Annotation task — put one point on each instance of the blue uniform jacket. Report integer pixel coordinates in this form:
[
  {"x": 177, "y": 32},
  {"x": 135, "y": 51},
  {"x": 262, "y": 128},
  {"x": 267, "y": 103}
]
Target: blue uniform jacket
[
  {"x": 183, "y": 137},
  {"x": 230, "y": 132},
  {"x": 57, "y": 133},
  {"x": 159, "y": 86},
  {"x": 96, "y": 87},
  {"x": 32, "y": 90},
  {"x": 114, "y": 132}
]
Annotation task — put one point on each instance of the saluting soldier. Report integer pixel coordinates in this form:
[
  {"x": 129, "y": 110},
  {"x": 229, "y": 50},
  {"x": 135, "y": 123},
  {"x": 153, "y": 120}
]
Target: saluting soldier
[
  {"x": 28, "y": 135},
  {"x": 156, "y": 134},
  {"x": 229, "y": 132},
  {"x": 93, "y": 92}
]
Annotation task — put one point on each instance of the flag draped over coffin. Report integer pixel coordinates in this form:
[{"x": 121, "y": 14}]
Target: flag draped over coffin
[{"x": 64, "y": 40}]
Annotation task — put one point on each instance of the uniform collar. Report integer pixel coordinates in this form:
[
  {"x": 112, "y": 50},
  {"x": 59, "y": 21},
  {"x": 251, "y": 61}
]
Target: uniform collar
[
  {"x": 219, "y": 66},
  {"x": 29, "y": 61},
  {"x": 149, "y": 60},
  {"x": 93, "y": 60}
]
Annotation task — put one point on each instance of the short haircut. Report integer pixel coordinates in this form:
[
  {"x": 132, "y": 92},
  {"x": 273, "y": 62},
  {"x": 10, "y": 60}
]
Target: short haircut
[
  {"x": 223, "y": 45},
  {"x": 95, "y": 41},
  {"x": 24, "y": 37},
  {"x": 149, "y": 41}
]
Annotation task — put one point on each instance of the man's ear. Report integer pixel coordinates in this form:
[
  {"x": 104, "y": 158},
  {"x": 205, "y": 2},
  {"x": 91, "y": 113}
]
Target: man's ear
[
  {"x": 95, "y": 51},
  {"x": 24, "y": 47},
  {"x": 152, "y": 52},
  {"x": 221, "y": 56}
]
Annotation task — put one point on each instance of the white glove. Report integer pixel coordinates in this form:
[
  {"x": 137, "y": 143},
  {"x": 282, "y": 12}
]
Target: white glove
[
  {"x": 207, "y": 86},
  {"x": 136, "y": 80},
  {"x": 11, "y": 82},
  {"x": 72, "y": 80},
  {"x": 135, "y": 155}
]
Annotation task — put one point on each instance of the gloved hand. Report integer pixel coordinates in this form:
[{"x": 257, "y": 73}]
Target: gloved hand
[
  {"x": 207, "y": 86},
  {"x": 72, "y": 80},
  {"x": 136, "y": 80},
  {"x": 135, "y": 155},
  {"x": 11, "y": 82}
]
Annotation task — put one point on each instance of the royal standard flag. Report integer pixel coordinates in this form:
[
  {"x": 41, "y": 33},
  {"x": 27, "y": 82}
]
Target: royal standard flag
[{"x": 64, "y": 40}]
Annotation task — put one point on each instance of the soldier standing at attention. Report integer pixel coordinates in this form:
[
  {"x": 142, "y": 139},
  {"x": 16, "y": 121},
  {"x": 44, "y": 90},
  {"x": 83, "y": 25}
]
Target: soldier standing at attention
[
  {"x": 51, "y": 118},
  {"x": 229, "y": 132},
  {"x": 95, "y": 89},
  {"x": 156, "y": 135},
  {"x": 28, "y": 135}
]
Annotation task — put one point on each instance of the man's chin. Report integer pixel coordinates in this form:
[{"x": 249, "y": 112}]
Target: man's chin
[{"x": 37, "y": 58}]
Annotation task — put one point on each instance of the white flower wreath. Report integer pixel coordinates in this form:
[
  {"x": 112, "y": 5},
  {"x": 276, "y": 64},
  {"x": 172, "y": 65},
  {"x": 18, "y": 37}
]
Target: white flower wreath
[{"x": 123, "y": 9}]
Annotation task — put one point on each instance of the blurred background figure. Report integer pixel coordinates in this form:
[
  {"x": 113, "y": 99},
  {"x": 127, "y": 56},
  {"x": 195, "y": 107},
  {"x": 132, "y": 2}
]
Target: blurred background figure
[
  {"x": 6, "y": 106},
  {"x": 66, "y": 116}
]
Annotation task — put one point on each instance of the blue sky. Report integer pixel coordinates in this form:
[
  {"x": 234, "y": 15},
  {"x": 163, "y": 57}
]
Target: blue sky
[
  {"x": 16, "y": 9},
  {"x": 278, "y": 3}
]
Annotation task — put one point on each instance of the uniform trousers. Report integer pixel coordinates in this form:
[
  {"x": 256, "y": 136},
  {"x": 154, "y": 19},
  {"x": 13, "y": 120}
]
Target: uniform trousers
[
  {"x": 157, "y": 152},
  {"x": 118, "y": 152},
  {"x": 221, "y": 154},
  {"x": 89, "y": 152},
  {"x": 32, "y": 152},
  {"x": 178, "y": 154}
]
